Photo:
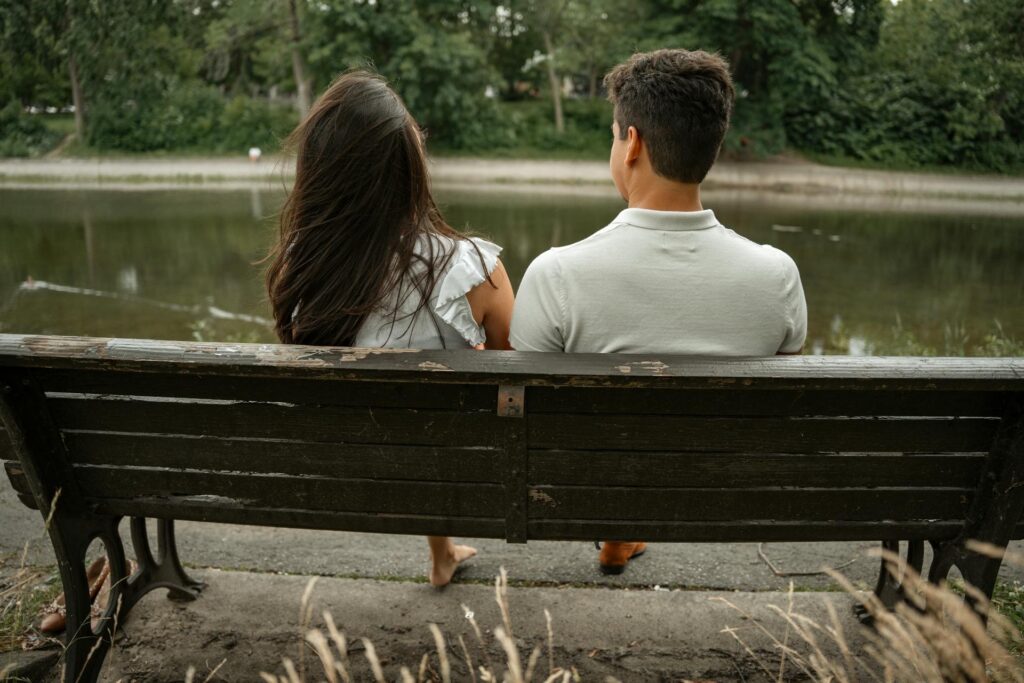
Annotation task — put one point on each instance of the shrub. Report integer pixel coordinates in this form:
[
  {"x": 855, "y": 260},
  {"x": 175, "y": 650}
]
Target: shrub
[
  {"x": 188, "y": 116},
  {"x": 148, "y": 120},
  {"x": 246, "y": 122},
  {"x": 528, "y": 126},
  {"x": 23, "y": 135}
]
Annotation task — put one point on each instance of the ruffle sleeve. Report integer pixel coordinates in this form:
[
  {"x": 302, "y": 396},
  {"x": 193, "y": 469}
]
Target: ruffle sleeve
[{"x": 465, "y": 271}]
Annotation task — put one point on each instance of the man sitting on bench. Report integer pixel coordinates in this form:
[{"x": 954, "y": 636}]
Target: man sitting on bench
[{"x": 664, "y": 276}]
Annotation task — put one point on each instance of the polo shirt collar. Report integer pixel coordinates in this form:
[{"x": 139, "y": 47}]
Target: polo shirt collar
[{"x": 668, "y": 220}]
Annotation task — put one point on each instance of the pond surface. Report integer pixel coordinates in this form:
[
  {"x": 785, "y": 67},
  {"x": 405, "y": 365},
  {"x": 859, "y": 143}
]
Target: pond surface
[{"x": 181, "y": 264}]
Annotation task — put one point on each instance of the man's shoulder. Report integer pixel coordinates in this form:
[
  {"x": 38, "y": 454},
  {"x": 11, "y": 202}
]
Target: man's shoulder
[
  {"x": 581, "y": 250},
  {"x": 756, "y": 251}
]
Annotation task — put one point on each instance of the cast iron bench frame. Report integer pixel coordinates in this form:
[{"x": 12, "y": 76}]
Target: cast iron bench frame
[{"x": 502, "y": 445}]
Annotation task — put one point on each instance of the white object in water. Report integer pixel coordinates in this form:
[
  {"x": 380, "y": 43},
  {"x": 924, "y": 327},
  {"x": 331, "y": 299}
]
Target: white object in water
[{"x": 255, "y": 153}]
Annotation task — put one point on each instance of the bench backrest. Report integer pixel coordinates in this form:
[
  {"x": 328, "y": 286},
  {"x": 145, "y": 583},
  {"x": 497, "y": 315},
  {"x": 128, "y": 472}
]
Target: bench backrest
[{"x": 508, "y": 445}]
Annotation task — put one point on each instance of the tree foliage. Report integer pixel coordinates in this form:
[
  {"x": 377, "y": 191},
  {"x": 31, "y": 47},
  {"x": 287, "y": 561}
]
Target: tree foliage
[{"x": 916, "y": 83}]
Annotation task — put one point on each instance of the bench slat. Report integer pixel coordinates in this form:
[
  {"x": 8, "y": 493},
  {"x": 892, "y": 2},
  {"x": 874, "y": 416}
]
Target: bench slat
[
  {"x": 309, "y": 493},
  {"x": 693, "y": 504},
  {"x": 743, "y": 531},
  {"x": 475, "y": 397},
  {"x": 765, "y": 402},
  {"x": 741, "y": 470},
  {"x": 761, "y": 435},
  {"x": 539, "y": 529},
  {"x": 263, "y": 420},
  {"x": 420, "y": 463},
  {"x": 458, "y": 397},
  {"x": 198, "y": 510},
  {"x": 511, "y": 367}
]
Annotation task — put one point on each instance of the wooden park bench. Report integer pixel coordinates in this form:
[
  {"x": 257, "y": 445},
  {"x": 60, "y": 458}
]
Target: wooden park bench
[{"x": 520, "y": 446}]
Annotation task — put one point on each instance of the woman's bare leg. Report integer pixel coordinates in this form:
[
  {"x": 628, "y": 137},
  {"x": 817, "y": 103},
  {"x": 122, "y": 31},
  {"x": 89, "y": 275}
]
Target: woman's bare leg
[{"x": 445, "y": 556}]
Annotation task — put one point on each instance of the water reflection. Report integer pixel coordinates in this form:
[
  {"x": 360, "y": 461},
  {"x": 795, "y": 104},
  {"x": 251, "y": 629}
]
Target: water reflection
[{"x": 907, "y": 280}]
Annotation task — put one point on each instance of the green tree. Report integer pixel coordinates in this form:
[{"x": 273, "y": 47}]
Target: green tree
[
  {"x": 252, "y": 44},
  {"x": 943, "y": 88},
  {"x": 600, "y": 39},
  {"x": 425, "y": 50},
  {"x": 550, "y": 19}
]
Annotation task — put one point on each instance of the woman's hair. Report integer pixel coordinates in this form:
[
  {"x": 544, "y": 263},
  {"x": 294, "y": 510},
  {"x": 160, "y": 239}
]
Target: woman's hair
[{"x": 350, "y": 226}]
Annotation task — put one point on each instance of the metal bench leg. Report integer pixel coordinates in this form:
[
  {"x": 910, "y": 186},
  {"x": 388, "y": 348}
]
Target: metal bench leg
[
  {"x": 71, "y": 523},
  {"x": 163, "y": 570},
  {"x": 977, "y": 569},
  {"x": 87, "y": 639},
  {"x": 88, "y": 636},
  {"x": 993, "y": 516},
  {"x": 890, "y": 589}
]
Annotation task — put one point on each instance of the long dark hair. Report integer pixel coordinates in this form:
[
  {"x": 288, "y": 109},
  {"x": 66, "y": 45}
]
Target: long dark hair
[{"x": 350, "y": 226}]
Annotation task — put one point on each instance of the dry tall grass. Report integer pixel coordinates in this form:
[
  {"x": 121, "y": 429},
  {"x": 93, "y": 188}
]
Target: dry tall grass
[
  {"x": 332, "y": 650},
  {"x": 935, "y": 637}
]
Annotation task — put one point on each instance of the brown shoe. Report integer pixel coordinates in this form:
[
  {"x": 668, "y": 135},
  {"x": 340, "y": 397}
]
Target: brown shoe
[
  {"x": 615, "y": 555},
  {"x": 98, "y": 574},
  {"x": 55, "y": 615}
]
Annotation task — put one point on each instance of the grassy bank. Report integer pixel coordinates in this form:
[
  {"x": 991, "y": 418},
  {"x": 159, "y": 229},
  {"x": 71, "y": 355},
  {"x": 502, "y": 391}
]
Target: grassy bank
[{"x": 957, "y": 340}]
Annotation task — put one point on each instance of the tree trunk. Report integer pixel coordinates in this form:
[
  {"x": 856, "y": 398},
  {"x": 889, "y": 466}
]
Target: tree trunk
[
  {"x": 592, "y": 89},
  {"x": 302, "y": 101},
  {"x": 76, "y": 97},
  {"x": 556, "y": 85}
]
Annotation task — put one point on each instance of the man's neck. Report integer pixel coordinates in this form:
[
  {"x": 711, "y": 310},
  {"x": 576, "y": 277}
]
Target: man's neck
[{"x": 666, "y": 196}]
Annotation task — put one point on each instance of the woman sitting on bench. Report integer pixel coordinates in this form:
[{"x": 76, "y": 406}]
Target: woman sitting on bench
[{"x": 364, "y": 256}]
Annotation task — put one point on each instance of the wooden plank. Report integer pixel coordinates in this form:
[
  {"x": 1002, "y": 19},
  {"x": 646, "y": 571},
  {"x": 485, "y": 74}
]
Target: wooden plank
[
  {"x": 225, "y": 512},
  {"x": 420, "y": 463},
  {"x": 716, "y": 505},
  {"x": 744, "y": 470},
  {"x": 462, "y": 398},
  {"x": 740, "y": 531},
  {"x": 514, "y": 367},
  {"x": 760, "y": 435},
  {"x": 767, "y": 402},
  {"x": 308, "y": 493},
  {"x": 221, "y": 511},
  {"x": 321, "y": 424}
]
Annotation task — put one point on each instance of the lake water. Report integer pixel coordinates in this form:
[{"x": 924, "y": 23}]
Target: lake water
[{"x": 181, "y": 264}]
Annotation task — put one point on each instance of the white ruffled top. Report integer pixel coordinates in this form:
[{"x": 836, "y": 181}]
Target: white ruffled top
[{"x": 446, "y": 322}]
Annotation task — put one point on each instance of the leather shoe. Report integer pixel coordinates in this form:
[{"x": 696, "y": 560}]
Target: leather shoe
[
  {"x": 55, "y": 615},
  {"x": 615, "y": 555}
]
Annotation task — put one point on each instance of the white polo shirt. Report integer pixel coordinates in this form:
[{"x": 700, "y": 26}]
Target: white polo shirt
[{"x": 662, "y": 282}]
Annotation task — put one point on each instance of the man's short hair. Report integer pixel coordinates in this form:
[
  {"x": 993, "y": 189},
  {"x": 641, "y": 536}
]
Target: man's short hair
[{"x": 680, "y": 103}]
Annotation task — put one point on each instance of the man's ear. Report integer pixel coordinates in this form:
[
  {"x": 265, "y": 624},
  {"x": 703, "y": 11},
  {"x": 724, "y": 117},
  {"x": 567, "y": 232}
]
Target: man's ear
[{"x": 634, "y": 143}]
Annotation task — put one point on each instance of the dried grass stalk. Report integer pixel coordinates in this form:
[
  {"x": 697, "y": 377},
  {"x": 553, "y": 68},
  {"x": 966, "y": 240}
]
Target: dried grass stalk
[{"x": 442, "y": 654}]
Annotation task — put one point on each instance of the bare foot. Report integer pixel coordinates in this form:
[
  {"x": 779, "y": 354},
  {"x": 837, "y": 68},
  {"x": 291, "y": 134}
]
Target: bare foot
[{"x": 444, "y": 564}]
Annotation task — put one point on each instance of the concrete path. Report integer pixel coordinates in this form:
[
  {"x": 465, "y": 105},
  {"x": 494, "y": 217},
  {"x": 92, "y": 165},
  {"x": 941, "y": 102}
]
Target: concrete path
[
  {"x": 247, "y": 623},
  {"x": 803, "y": 177}
]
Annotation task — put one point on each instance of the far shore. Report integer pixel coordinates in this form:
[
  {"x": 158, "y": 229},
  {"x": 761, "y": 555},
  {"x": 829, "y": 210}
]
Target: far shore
[{"x": 588, "y": 177}]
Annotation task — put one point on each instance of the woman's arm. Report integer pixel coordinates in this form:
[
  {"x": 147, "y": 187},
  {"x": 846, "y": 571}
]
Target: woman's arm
[{"x": 492, "y": 307}]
